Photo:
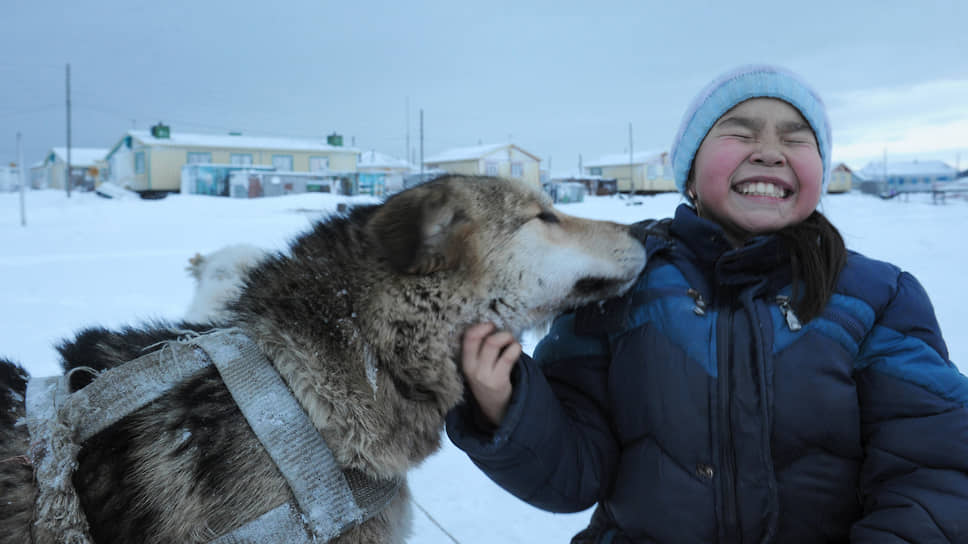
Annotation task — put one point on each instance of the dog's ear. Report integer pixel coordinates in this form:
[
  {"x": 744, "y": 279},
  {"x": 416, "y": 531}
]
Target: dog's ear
[
  {"x": 195, "y": 266},
  {"x": 421, "y": 230}
]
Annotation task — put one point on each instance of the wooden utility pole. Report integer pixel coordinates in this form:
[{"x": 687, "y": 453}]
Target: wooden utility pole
[
  {"x": 421, "y": 145},
  {"x": 631, "y": 163},
  {"x": 406, "y": 155},
  {"x": 23, "y": 181},
  {"x": 67, "y": 170}
]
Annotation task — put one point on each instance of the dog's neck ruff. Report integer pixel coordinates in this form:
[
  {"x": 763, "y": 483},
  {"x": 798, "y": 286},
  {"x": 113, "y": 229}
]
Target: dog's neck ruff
[{"x": 328, "y": 501}]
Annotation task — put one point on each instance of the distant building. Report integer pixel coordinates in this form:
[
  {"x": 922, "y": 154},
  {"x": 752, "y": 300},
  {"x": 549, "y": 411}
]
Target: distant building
[
  {"x": 643, "y": 172},
  {"x": 391, "y": 168},
  {"x": 87, "y": 168},
  {"x": 503, "y": 160},
  {"x": 842, "y": 179},
  {"x": 150, "y": 161},
  {"x": 9, "y": 178},
  {"x": 906, "y": 176},
  {"x": 594, "y": 185}
]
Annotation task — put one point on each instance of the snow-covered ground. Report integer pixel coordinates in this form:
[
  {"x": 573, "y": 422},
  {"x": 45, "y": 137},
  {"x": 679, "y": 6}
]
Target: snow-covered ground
[{"x": 88, "y": 260}]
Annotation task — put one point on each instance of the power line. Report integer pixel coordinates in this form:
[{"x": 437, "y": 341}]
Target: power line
[{"x": 39, "y": 109}]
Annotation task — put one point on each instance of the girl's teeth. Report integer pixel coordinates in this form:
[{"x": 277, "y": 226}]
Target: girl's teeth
[{"x": 762, "y": 189}]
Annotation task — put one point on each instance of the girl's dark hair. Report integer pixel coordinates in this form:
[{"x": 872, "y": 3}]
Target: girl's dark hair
[{"x": 817, "y": 255}]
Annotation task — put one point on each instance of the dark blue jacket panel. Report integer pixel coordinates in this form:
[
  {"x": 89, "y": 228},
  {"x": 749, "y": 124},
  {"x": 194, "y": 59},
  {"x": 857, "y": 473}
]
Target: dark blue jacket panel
[{"x": 695, "y": 410}]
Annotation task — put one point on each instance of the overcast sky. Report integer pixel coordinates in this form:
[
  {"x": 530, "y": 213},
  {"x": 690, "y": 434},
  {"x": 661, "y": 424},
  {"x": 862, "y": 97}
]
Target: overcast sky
[{"x": 559, "y": 79}]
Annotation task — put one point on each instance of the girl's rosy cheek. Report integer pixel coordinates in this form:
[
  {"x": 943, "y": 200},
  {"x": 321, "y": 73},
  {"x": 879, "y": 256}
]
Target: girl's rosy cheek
[{"x": 719, "y": 165}]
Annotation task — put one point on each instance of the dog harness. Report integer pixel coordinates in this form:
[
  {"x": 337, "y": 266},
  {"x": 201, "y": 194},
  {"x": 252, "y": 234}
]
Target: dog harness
[{"x": 328, "y": 500}]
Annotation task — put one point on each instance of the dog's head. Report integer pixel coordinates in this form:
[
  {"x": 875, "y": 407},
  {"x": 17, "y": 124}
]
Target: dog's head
[{"x": 524, "y": 259}]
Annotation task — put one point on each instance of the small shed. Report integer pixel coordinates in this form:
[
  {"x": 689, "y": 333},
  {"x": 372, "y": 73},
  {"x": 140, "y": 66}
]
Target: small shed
[
  {"x": 9, "y": 178},
  {"x": 212, "y": 179},
  {"x": 594, "y": 185},
  {"x": 260, "y": 183},
  {"x": 563, "y": 192},
  {"x": 392, "y": 169}
]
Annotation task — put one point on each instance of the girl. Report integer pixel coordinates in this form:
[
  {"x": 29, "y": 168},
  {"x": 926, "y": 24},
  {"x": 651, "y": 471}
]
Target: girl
[{"x": 760, "y": 383}]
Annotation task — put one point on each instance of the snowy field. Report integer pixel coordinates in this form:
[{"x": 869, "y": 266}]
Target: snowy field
[{"x": 92, "y": 261}]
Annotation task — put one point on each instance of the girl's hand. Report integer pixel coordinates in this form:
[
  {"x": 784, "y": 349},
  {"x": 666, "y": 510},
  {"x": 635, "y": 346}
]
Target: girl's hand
[{"x": 487, "y": 358}]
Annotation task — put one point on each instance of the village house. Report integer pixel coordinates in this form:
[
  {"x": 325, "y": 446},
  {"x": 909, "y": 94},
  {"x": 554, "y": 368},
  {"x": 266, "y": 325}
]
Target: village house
[
  {"x": 842, "y": 179},
  {"x": 87, "y": 168},
  {"x": 643, "y": 172},
  {"x": 503, "y": 160},
  {"x": 152, "y": 161},
  {"x": 906, "y": 176}
]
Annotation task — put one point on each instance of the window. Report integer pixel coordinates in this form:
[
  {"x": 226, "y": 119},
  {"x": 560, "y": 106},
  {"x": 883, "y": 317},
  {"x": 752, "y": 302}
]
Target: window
[
  {"x": 652, "y": 171},
  {"x": 490, "y": 168},
  {"x": 517, "y": 170},
  {"x": 195, "y": 157},
  {"x": 318, "y": 164},
  {"x": 241, "y": 159},
  {"x": 595, "y": 171},
  {"x": 139, "y": 162},
  {"x": 282, "y": 162}
]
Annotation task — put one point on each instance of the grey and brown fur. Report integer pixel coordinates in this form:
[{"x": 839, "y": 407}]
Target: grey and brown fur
[{"x": 362, "y": 318}]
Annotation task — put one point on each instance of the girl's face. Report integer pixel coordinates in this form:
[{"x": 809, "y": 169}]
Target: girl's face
[{"x": 758, "y": 169}]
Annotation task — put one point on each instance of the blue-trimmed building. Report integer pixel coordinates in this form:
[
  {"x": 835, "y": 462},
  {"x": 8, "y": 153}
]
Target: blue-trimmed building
[
  {"x": 907, "y": 176},
  {"x": 152, "y": 161}
]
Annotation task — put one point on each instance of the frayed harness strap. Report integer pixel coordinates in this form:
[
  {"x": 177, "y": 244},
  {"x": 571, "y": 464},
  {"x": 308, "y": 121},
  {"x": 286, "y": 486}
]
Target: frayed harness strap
[
  {"x": 53, "y": 452},
  {"x": 329, "y": 500},
  {"x": 122, "y": 390},
  {"x": 321, "y": 489}
]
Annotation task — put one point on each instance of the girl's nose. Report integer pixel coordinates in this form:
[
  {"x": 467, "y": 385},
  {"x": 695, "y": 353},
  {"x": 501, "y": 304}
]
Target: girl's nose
[{"x": 767, "y": 154}]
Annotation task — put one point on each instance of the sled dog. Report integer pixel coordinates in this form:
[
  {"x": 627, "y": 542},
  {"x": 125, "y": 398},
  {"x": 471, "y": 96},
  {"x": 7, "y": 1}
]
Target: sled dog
[
  {"x": 361, "y": 316},
  {"x": 218, "y": 280}
]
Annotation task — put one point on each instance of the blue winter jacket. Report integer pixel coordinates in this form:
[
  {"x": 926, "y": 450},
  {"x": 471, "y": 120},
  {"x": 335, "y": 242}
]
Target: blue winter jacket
[{"x": 694, "y": 409}]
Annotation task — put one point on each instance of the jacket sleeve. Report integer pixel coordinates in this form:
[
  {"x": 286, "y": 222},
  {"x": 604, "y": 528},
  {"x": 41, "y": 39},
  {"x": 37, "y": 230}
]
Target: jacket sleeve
[
  {"x": 554, "y": 449},
  {"x": 914, "y": 416}
]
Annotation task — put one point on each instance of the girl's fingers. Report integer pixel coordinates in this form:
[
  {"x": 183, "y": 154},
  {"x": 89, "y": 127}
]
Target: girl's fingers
[
  {"x": 471, "y": 345},
  {"x": 491, "y": 350}
]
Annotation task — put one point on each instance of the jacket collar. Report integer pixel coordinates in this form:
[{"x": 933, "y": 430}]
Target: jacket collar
[{"x": 762, "y": 257}]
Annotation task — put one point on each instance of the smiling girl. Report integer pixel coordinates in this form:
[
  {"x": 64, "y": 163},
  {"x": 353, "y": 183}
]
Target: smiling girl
[{"x": 760, "y": 383}]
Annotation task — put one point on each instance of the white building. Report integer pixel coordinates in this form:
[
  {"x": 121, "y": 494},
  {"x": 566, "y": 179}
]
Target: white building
[{"x": 87, "y": 164}]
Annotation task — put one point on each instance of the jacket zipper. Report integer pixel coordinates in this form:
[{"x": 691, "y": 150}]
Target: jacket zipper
[
  {"x": 725, "y": 426},
  {"x": 793, "y": 323}
]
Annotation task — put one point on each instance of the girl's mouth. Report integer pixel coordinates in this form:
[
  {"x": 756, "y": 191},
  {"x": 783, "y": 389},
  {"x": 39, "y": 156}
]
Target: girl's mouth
[{"x": 761, "y": 188}]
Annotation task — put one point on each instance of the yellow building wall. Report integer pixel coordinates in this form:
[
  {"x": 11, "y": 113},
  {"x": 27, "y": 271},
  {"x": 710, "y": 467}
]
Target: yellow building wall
[
  {"x": 56, "y": 179},
  {"x": 623, "y": 176},
  {"x": 163, "y": 164},
  {"x": 532, "y": 173},
  {"x": 641, "y": 181},
  {"x": 840, "y": 182},
  {"x": 164, "y": 168},
  {"x": 467, "y": 168}
]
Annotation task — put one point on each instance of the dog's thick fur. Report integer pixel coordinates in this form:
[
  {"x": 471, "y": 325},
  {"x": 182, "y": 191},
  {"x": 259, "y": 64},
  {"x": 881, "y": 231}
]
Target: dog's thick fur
[{"x": 362, "y": 318}]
